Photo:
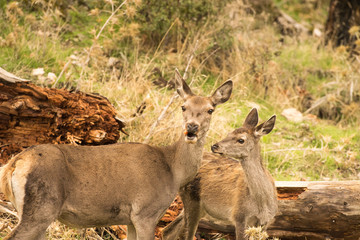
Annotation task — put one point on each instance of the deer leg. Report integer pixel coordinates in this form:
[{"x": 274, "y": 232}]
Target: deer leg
[
  {"x": 175, "y": 229},
  {"x": 240, "y": 230},
  {"x": 32, "y": 228},
  {"x": 39, "y": 204},
  {"x": 192, "y": 218},
  {"x": 240, "y": 233},
  {"x": 131, "y": 232},
  {"x": 145, "y": 229}
]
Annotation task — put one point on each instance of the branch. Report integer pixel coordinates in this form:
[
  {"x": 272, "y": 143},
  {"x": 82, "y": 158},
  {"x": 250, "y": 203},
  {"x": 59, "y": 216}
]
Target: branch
[
  {"x": 9, "y": 77},
  {"x": 4, "y": 209},
  {"x": 175, "y": 96},
  {"x": 107, "y": 21},
  {"x": 98, "y": 36}
]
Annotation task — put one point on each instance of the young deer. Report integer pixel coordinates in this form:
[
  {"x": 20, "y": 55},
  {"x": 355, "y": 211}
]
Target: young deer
[
  {"x": 128, "y": 183},
  {"x": 226, "y": 193}
]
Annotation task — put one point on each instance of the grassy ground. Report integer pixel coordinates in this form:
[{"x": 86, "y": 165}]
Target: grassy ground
[{"x": 89, "y": 49}]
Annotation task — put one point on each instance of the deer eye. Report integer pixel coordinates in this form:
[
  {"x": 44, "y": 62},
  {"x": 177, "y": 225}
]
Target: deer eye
[
  {"x": 183, "y": 108},
  {"x": 210, "y": 111},
  {"x": 241, "y": 141}
]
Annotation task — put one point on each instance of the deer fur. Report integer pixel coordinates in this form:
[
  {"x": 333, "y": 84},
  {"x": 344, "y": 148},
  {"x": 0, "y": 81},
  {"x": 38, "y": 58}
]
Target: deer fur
[
  {"x": 226, "y": 193},
  {"x": 129, "y": 183}
]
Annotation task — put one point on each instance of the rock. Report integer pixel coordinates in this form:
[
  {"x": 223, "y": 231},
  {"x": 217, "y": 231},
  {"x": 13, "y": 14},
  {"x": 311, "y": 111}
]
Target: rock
[
  {"x": 292, "y": 114},
  {"x": 51, "y": 76},
  {"x": 38, "y": 72}
]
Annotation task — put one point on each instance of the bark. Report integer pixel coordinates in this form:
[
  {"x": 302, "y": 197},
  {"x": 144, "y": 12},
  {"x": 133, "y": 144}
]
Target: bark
[
  {"x": 343, "y": 14},
  {"x": 309, "y": 210},
  {"x": 31, "y": 115},
  {"x": 323, "y": 210},
  {"x": 286, "y": 24}
]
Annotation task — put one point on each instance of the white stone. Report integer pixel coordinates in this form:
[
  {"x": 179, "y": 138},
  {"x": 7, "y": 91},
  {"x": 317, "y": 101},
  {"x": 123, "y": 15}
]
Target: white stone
[
  {"x": 317, "y": 33},
  {"x": 38, "y": 72},
  {"x": 51, "y": 76},
  {"x": 292, "y": 114}
]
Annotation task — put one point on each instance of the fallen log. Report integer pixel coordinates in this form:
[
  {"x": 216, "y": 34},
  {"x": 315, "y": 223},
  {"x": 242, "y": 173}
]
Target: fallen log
[
  {"x": 31, "y": 114},
  {"x": 309, "y": 210},
  {"x": 318, "y": 210}
]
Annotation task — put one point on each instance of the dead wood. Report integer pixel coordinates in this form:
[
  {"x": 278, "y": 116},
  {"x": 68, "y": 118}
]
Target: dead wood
[
  {"x": 31, "y": 115},
  {"x": 286, "y": 24},
  {"x": 311, "y": 210},
  {"x": 343, "y": 14},
  {"x": 5, "y": 75},
  {"x": 321, "y": 210}
]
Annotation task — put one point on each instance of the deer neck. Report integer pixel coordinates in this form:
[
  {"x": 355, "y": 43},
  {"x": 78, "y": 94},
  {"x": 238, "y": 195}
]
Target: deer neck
[
  {"x": 185, "y": 160},
  {"x": 260, "y": 184}
]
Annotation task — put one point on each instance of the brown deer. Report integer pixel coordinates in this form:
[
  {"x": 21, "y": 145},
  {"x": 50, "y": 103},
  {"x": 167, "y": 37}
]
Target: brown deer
[
  {"x": 226, "y": 193},
  {"x": 129, "y": 183}
]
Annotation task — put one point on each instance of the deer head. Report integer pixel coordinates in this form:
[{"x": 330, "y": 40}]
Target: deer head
[
  {"x": 244, "y": 138},
  {"x": 197, "y": 110}
]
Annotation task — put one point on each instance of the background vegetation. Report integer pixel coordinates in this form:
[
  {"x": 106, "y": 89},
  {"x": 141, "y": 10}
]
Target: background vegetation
[
  {"x": 127, "y": 51},
  {"x": 130, "y": 53}
]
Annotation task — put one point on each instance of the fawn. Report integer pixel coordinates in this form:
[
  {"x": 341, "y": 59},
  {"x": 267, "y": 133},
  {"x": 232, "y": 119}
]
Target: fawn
[{"x": 226, "y": 193}]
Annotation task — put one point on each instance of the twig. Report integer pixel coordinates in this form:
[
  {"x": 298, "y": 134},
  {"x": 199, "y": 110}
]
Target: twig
[
  {"x": 162, "y": 114},
  {"x": 167, "y": 32},
  {"x": 190, "y": 59},
  {"x": 10, "y": 77},
  {"x": 112, "y": 235},
  {"x": 203, "y": 62},
  {"x": 318, "y": 102},
  {"x": 175, "y": 96},
  {"x": 6, "y": 210},
  {"x": 351, "y": 90},
  {"x": 61, "y": 73},
  {"x": 107, "y": 21},
  {"x": 5, "y": 225},
  {"x": 98, "y": 36},
  {"x": 122, "y": 229},
  {"x": 158, "y": 47},
  {"x": 96, "y": 235}
]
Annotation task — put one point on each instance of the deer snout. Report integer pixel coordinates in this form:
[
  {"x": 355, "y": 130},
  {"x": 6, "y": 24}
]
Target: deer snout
[
  {"x": 214, "y": 148},
  {"x": 192, "y": 127},
  {"x": 191, "y": 132}
]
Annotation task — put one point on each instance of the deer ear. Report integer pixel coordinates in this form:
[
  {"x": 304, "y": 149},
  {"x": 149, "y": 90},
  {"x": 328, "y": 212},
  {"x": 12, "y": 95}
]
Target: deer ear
[
  {"x": 181, "y": 87},
  {"x": 223, "y": 93},
  {"x": 266, "y": 127},
  {"x": 252, "y": 119}
]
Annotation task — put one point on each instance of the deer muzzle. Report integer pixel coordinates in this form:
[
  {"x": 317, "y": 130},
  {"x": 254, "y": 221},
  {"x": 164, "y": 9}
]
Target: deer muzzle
[
  {"x": 216, "y": 149},
  {"x": 191, "y": 132}
]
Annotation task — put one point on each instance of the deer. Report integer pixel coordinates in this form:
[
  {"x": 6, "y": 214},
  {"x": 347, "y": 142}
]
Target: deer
[
  {"x": 232, "y": 189},
  {"x": 93, "y": 186}
]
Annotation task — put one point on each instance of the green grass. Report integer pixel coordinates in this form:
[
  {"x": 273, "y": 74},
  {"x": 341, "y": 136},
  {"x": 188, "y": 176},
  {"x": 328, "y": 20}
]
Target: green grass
[
  {"x": 313, "y": 151},
  {"x": 310, "y": 12}
]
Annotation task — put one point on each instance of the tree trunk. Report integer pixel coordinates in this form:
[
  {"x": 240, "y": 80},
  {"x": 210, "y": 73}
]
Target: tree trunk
[
  {"x": 286, "y": 24},
  {"x": 343, "y": 14},
  {"x": 308, "y": 210},
  {"x": 31, "y": 115}
]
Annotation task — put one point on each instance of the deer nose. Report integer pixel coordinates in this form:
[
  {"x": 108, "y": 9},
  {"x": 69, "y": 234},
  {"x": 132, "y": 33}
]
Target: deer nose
[
  {"x": 192, "y": 127},
  {"x": 214, "y": 147}
]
